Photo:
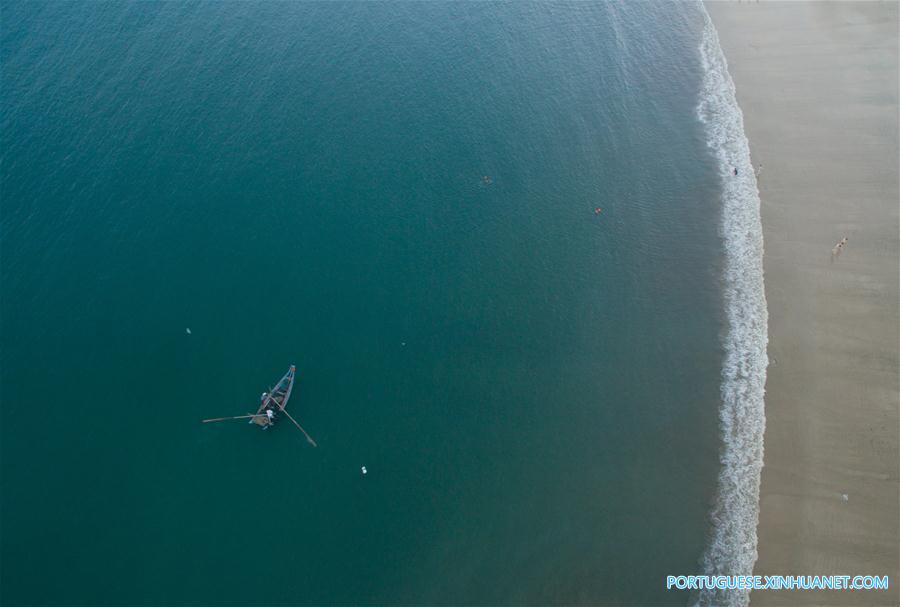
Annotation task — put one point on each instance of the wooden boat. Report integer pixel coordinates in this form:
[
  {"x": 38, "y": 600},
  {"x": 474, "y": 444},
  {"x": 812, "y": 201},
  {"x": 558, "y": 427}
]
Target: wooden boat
[
  {"x": 271, "y": 404},
  {"x": 275, "y": 400}
]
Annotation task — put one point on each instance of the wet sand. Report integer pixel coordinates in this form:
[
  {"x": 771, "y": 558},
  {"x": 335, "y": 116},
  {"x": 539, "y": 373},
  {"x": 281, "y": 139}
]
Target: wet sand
[{"x": 818, "y": 85}]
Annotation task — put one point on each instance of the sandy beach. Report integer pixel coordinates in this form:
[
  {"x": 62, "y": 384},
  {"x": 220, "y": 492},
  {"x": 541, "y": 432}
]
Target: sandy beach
[{"x": 818, "y": 86}]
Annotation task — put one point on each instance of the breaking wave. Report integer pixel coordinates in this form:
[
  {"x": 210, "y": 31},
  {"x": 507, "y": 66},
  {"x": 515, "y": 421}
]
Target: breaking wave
[{"x": 735, "y": 513}]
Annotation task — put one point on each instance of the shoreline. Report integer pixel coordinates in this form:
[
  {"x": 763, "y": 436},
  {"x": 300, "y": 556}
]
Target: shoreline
[
  {"x": 817, "y": 84},
  {"x": 731, "y": 547}
]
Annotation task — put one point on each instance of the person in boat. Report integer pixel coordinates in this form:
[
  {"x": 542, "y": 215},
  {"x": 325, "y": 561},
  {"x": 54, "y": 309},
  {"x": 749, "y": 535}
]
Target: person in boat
[{"x": 270, "y": 415}]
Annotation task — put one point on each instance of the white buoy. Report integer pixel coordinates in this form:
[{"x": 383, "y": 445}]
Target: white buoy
[
  {"x": 188, "y": 331},
  {"x": 364, "y": 471}
]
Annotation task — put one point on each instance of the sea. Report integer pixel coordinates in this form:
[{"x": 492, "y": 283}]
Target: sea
[{"x": 513, "y": 250}]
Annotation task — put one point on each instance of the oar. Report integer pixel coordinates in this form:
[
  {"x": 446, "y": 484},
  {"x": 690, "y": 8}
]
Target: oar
[
  {"x": 222, "y": 419},
  {"x": 311, "y": 441}
]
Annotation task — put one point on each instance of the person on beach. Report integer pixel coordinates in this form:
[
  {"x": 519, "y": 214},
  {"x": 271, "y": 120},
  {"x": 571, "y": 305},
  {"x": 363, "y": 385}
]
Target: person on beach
[{"x": 839, "y": 247}]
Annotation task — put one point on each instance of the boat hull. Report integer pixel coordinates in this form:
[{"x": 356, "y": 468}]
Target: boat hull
[{"x": 275, "y": 400}]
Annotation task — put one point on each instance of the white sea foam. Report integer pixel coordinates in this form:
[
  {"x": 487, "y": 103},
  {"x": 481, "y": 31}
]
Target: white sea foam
[{"x": 735, "y": 514}]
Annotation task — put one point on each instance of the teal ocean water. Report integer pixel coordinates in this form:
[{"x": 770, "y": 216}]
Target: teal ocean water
[{"x": 400, "y": 200}]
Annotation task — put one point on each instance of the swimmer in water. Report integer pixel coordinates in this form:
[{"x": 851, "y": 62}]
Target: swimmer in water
[{"x": 735, "y": 171}]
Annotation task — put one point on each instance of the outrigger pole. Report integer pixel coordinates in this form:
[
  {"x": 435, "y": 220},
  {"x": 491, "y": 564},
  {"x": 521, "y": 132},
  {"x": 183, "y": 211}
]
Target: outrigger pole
[
  {"x": 222, "y": 419},
  {"x": 308, "y": 437}
]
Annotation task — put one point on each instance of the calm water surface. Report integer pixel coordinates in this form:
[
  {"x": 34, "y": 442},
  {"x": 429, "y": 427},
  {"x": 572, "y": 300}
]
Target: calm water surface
[{"x": 532, "y": 387}]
